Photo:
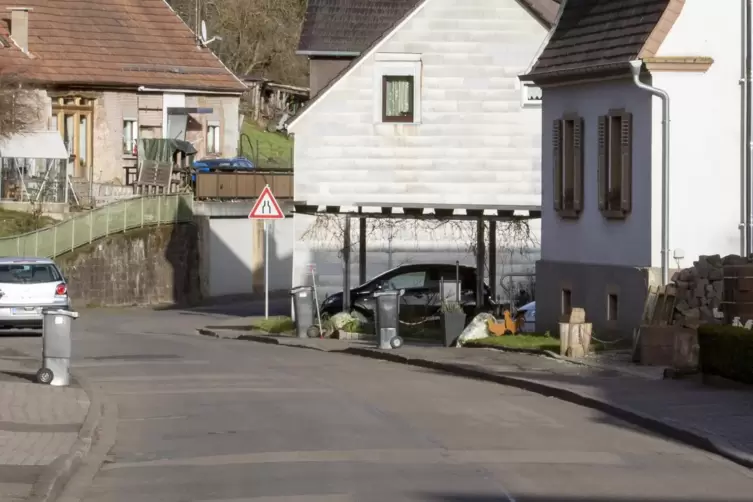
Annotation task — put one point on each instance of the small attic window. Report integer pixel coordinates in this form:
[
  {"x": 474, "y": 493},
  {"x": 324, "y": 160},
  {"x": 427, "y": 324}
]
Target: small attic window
[{"x": 531, "y": 94}]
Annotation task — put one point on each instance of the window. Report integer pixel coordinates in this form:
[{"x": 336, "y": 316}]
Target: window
[
  {"x": 28, "y": 274},
  {"x": 213, "y": 138},
  {"x": 567, "y": 142},
  {"x": 567, "y": 302},
  {"x": 74, "y": 116},
  {"x": 408, "y": 280},
  {"x": 397, "y": 98},
  {"x": 611, "y": 307},
  {"x": 130, "y": 136},
  {"x": 615, "y": 170},
  {"x": 532, "y": 95},
  {"x": 397, "y": 88}
]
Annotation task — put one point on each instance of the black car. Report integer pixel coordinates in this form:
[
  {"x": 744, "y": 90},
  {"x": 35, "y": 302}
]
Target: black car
[{"x": 421, "y": 298}]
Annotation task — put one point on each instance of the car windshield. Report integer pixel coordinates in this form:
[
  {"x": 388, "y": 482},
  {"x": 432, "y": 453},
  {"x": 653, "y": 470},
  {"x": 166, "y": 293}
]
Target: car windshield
[{"x": 28, "y": 273}]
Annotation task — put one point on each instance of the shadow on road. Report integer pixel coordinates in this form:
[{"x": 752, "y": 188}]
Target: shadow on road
[{"x": 470, "y": 497}]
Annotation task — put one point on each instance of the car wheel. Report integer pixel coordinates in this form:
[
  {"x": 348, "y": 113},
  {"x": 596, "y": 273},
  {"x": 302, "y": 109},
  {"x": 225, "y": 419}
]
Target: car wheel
[
  {"x": 45, "y": 376},
  {"x": 396, "y": 342}
]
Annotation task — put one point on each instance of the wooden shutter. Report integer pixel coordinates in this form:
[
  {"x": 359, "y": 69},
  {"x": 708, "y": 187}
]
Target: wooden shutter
[
  {"x": 626, "y": 161},
  {"x": 557, "y": 154},
  {"x": 577, "y": 154},
  {"x": 601, "y": 169}
]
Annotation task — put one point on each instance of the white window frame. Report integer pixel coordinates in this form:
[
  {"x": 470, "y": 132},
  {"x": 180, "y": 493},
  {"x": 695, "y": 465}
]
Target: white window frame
[
  {"x": 134, "y": 131},
  {"x": 397, "y": 65},
  {"x": 525, "y": 95},
  {"x": 214, "y": 125}
]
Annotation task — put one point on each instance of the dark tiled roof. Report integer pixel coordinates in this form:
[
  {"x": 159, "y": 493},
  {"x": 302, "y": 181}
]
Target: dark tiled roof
[
  {"x": 350, "y": 26},
  {"x": 594, "y": 35},
  {"x": 126, "y": 43}
]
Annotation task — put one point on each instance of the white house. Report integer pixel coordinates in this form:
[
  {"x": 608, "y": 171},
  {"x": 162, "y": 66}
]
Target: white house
[
  {"x": 602, "y": 151},
  {"x": 418, "y": 109}
]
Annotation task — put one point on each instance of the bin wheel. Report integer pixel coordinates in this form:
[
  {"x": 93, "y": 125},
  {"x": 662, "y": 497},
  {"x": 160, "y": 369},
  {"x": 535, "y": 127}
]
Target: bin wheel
[
  {"x": 396, "y": 342},
  {"x": 312, "y": 332},
  {"x": 45, "y": 376}
]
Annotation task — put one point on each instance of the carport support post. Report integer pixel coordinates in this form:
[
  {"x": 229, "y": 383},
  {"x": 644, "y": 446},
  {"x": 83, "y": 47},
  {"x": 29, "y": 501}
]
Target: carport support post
[
  {"x": 346, "y": 265},
  {"x": 362, "y": 250},
  {"x": 480, "y": 262},
  {"x": 493, "y": 258}
]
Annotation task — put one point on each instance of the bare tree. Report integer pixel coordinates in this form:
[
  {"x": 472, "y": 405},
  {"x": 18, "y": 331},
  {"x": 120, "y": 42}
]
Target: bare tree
[
  {"x": 19, "y": 105},
  {"x": 258, "y": 36}
]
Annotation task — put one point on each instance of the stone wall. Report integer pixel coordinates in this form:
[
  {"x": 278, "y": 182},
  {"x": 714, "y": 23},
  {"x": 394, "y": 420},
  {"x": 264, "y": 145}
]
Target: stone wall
[
  {"x": 699, "y": 290},
  {"x": 146, "y": 266}
]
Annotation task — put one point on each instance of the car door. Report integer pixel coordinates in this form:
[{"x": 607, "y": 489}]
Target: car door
[{"x": 413, "y": 283}]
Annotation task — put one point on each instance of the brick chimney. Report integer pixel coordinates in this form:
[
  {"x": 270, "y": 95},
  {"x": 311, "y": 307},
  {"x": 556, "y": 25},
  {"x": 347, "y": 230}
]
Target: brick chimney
[{"x": 19, "y": 26}]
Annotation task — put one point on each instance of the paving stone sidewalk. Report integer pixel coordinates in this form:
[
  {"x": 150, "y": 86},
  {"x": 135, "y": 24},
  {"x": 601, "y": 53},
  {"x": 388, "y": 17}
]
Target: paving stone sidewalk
[
  {"x": 38, "y": 424},
  {"x": 712, "y": 418}
]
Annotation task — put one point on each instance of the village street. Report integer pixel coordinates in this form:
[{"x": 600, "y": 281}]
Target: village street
[{"x": 193, "y": 418}]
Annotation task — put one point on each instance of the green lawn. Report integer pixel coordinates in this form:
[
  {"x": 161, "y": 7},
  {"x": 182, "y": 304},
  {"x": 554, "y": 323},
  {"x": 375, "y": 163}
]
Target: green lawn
[
  {"x": 14, "y": 223},
  {"x": 527, "y": 341},
  {"x": 268, "y": 150}
]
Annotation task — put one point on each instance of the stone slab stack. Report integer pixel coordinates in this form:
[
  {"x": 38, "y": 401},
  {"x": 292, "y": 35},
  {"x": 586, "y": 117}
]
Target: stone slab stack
[{"x": 699, "y": 291}]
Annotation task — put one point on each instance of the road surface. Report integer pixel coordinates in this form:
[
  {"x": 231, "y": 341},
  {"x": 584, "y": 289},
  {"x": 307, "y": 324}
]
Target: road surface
[{"x": 207, "y": 420}]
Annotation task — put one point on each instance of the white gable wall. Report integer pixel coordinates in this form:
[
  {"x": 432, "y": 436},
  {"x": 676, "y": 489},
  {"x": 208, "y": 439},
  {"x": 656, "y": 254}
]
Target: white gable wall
[
  {"x": 705, "y": 136},
  {"x": 475, "y": 144}
]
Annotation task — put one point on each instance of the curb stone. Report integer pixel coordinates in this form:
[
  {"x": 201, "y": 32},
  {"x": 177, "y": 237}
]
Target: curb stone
[
  {"x": 57, "y": 475},
  {"x": 717, "y": 446}
]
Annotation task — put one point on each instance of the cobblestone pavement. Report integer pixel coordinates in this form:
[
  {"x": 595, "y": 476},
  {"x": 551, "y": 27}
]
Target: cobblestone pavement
[{"x": 38, "y": 423}]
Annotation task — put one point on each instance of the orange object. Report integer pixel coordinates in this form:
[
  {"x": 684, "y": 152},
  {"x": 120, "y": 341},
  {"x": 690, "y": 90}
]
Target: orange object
[{"x": 506, "y": 327}]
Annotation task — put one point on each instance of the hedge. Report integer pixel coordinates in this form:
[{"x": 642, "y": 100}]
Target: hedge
[{"x": 726, "y": 351}]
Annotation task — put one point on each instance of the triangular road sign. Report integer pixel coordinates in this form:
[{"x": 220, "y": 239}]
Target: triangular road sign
[{"x": 266, "y": 207}]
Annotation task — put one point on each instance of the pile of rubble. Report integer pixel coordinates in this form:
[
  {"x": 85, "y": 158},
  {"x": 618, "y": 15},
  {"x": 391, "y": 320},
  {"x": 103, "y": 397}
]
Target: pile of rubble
[{"x": 699, "y": 290}]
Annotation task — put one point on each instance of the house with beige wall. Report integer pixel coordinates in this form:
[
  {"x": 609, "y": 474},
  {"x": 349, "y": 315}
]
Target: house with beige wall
[{"x": 110, "y": 74}]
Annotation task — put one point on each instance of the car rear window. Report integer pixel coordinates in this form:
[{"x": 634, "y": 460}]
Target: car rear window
[{"x": 28, "y": 273}]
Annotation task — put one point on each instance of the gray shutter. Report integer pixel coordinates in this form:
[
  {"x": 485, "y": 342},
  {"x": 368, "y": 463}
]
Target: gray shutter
[
  {"x": 578, "y": 164},
  {"x": 557, "y": 171},
  {"x": 626, "y": 159},
  {"x": 601, "y": 169}
]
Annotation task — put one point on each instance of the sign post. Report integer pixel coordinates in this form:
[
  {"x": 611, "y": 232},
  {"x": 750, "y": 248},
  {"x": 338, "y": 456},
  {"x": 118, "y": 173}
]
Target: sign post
[{"x": 266, "y": 208}]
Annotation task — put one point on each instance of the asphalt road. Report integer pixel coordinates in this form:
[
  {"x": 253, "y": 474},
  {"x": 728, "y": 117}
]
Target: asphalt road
[{"x": 205, "y": 420}]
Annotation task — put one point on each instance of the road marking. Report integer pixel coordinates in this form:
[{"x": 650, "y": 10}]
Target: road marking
[
  {"x": 425, "y": 456},
  {"x": 334, "y": 497},
  {"x": 152, "y": 378},
  {"x": 109, "y": 364},
  {"x": 219, "y": 390},
  {"x": 146, "y": 419}
]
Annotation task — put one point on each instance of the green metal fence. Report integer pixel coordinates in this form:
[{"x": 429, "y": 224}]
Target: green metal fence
[{"x": 110, "y": 219}]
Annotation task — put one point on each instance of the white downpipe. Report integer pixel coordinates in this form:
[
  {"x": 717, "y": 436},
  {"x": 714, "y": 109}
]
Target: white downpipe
[{"x": 635, "y": 68}]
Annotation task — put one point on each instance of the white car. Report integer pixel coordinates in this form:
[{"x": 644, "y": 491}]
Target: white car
[{"x": 27, "y": 287}]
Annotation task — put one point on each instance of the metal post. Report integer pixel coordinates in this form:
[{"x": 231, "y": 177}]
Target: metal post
[
  {"x": 480, "y": 262},
  {"x": 362, "y": 250},
  {"x": 346, "y": 266},
  {"x": 142, "y": 211},
  {"x": 159, "y": 210},
  {"x": 54, "y": 241},
  {"x": 125, "y": 215},
  {"x": 493, "y": 258},
  {"x": 91, "y": 226},
  {"x": 73, "y": 233},
  {"x": 266, "y": 269},
  {"x": 36, "y": 243}
]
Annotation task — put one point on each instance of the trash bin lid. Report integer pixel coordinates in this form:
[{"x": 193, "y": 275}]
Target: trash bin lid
[
  {"x": 388, "y": 292},
  {"x": 301, "y": 289},
  {"x": 69, "y": 313}
]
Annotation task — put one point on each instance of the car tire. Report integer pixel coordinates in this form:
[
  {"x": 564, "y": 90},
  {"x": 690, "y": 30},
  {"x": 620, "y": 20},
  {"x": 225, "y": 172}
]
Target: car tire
[{"x": 396, "y": 342}]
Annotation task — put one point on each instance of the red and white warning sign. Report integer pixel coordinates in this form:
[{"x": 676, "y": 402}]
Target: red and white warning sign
[{"x": 266, "y": 207}]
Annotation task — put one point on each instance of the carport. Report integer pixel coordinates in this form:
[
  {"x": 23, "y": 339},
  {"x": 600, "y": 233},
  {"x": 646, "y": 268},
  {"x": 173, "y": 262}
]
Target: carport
[{"x": 440, "y": 212}]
